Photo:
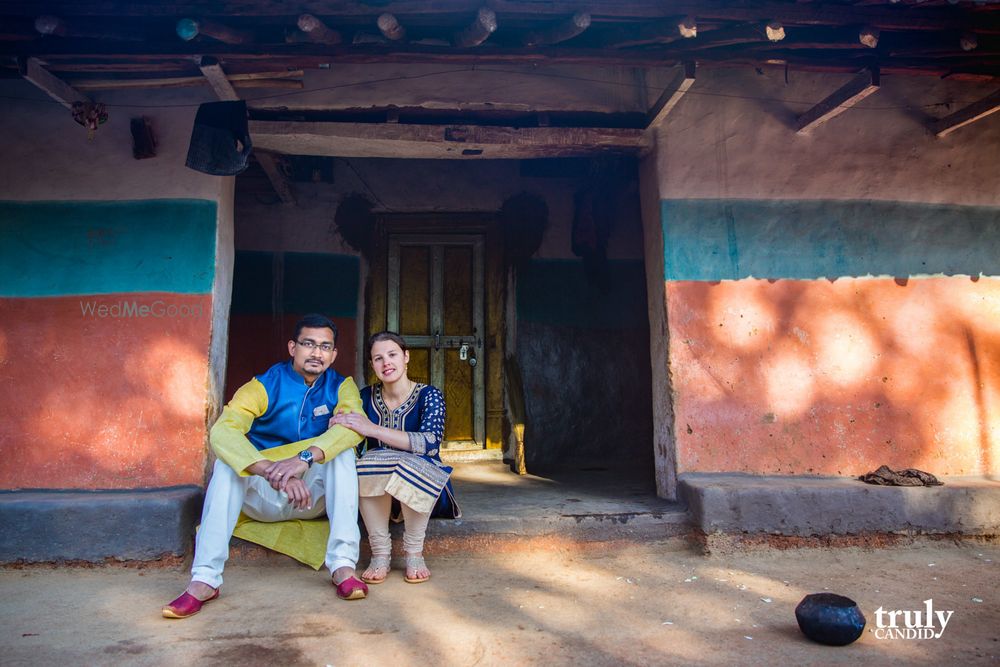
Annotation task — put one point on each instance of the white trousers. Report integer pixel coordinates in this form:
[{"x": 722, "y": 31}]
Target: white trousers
[{"x": 334, "y": 489}]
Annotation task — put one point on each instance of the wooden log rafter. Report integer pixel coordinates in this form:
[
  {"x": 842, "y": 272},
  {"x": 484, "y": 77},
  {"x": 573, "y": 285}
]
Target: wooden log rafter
[
  {"x": 390, "y": 27},
  {"x": 32, "y": 70},
  {"x": 316, "y": 31},
  {"x": 188, "y": 29},
  {"x": 842, "y": 99},
  {"x": 671, "y": 95},
  {"x": 970, "y": 114},
  {"x": 269, "y": 162},
  {"x": 477, "y": 32},
  {"x": 216, "y": 77}
]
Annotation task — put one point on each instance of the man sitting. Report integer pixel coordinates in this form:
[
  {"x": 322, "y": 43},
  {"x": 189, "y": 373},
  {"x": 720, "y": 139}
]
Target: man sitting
[{"x": 277, "y": 461}]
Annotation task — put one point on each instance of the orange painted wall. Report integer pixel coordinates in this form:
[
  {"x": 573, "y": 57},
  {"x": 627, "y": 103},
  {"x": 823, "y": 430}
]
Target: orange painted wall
[
  {"x": 103, "y": 402},
  {"x": 836, "y": 378}
]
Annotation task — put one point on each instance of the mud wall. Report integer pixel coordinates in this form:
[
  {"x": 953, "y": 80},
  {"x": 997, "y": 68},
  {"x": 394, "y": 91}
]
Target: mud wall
[
  {"x": 832, "y": 300},
  {"x": 114, "y": 295}
]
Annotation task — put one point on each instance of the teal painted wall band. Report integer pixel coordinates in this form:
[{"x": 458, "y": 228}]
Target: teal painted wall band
[
  {"x": 558, "y": 292},
  {"x": 715, "y": 239},
  {"x": 82, "y": 247},
  {"x": 312, "y": 282}
]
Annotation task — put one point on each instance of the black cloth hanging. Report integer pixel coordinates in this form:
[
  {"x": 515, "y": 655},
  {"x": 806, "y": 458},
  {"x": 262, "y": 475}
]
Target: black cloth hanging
[{"x": 220, "y": 139}]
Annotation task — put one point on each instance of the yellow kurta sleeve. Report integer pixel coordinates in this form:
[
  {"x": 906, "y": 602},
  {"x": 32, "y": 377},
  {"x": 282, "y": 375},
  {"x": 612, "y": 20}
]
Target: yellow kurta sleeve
[
  {"x": 229, "y": 439},
  {"x": 229, "y": 434}
]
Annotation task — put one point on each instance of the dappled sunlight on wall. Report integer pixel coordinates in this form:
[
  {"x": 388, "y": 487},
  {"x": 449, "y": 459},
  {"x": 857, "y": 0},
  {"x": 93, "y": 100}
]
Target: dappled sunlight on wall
[
  {"x": 841, "y": 377},
  {"x": 845, "y": 351},
  {"x": 790, "y": 383},
  {"x": 103, "y": 403},
  {"x": 745, "y": 320}
]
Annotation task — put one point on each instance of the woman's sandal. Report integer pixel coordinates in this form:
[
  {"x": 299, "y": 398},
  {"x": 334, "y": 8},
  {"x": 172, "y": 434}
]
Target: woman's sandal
[
  {"x": 415, "y": 562},
  {"x": 376, "y": 565}
]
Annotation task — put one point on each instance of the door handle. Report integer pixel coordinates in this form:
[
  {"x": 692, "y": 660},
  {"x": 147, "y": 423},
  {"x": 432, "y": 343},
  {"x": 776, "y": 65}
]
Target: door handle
[{"x": 437, "y": 339}]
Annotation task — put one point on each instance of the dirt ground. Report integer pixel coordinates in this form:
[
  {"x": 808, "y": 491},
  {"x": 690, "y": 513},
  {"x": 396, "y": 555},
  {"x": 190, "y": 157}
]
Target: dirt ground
[{"x": 650, "y": 604}]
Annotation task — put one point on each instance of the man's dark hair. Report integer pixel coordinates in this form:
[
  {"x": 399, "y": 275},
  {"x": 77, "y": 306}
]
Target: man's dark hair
[{"x": 315, "y": 321}]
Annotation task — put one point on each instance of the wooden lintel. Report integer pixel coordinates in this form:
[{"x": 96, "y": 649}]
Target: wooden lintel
[
  {"x": 671, "y": 95},
  {"x": 212, "y": 70},
  {"x": 279, "y": 181},
  {"x": 560, "y": 32},
  {"x": 33, "y": 71},
  {"x": 970, "y": 114},
  {"x": 440, "y": 141},
  {"x": 855, "y": 90}
]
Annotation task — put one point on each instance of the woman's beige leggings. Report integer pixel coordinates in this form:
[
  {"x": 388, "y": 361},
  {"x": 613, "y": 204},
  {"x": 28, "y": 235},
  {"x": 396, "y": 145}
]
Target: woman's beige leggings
[{"x": 375, "y": 511}]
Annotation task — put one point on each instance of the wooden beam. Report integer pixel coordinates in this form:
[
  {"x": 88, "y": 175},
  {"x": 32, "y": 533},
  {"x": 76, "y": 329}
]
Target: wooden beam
[
  {"x": 390, "y": 26},
  {"x": 212, "y": 70},
  {"x": 560, "y": 32},
  {"x": 184, "y": 82},
  {"x": 441, "y": 141},
  {"x": 269, "y": 163},
  {"x": 970, "y": 114},
  {"x": 33, "y": 71},
  {"x": 477, "y": 32},
  {"x": 855, "y": 90},
  {"x": 671, "y": 95}
]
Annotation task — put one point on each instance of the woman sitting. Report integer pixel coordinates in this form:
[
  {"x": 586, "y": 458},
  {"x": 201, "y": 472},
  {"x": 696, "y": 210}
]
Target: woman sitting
[{"x": 401, "y": 460}]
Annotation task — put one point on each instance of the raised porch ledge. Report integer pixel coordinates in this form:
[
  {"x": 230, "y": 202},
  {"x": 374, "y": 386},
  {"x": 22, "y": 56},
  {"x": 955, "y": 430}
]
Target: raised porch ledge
[
  {"x": 820, "y": 506},
  {"x": 94, "y": 526}
]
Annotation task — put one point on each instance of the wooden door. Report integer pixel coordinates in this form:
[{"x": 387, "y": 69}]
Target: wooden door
[{"x": 435, "y": 301}]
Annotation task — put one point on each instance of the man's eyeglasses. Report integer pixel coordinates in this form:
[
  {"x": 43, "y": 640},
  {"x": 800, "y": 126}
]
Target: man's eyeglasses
[{"x": 312, "y": 345}]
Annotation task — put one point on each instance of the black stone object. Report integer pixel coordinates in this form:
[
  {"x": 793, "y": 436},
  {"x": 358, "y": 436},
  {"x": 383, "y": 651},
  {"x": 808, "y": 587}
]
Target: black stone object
[{"x": 830, "y": 619}]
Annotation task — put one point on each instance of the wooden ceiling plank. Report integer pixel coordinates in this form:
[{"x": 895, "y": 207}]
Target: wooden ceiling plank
[
  {"x": 282, "y": 187},
  {"x": 53, "y": 86},
  {"x": 970, "y": 114},
  {"x": 671, "y": 95},
  {"x": 855, "y": 90}
]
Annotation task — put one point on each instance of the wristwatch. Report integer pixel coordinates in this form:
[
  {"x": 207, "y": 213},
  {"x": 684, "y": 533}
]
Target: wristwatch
[{"x": 307, "y": 456}]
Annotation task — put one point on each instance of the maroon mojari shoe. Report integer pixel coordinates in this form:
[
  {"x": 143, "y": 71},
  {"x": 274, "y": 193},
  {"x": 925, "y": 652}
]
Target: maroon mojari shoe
[
  {"x": 351, "y": 588},
  {"x": 186, "y": 605}
]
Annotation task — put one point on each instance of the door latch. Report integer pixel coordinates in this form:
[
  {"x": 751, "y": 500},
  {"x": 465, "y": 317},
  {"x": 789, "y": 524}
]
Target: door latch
[{"x": 463, "y": 352}]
